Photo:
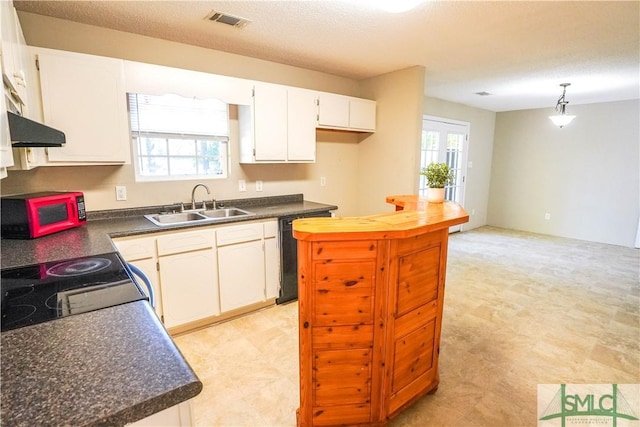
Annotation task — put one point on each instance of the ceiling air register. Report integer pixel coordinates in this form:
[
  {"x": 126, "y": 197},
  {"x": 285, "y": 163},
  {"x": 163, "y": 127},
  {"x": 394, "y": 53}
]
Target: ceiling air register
[{"x": 225, "y": 18}]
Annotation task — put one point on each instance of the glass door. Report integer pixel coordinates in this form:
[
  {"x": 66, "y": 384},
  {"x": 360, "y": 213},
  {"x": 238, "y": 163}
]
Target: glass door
[{"x": 445, "y": 141}]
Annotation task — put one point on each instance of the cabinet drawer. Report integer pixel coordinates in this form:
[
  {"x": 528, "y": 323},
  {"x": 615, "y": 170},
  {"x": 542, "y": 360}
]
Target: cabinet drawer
[
  {"x": 270, "y": 229},
  {"x": 136, "y": 248},
  {"x": 239, "y": 233},
  {"x": 356, "y": 249},
  {"x": 184, "y": 242}
]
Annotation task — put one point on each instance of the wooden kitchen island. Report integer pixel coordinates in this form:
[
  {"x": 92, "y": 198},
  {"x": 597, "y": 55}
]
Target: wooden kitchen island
[{"x": 371, "y": 292}]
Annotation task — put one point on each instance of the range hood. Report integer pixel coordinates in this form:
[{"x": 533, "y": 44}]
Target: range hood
[{"x": 27, "y": 133}]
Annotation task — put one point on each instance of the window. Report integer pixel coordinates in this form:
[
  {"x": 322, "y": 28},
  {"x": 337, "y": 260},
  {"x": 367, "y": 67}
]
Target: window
[{"x": 178, "y": 138}]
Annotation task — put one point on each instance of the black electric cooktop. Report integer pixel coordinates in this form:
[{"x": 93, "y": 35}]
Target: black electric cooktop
[{"x": 41, "y": 292}]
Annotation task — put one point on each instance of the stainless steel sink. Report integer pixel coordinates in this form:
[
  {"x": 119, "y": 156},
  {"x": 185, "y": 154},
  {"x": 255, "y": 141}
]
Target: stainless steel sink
[
  {"x": 175, "y": 218},
  {"x": 179, "y": 218},
  {"x": 225, "y": 213}
]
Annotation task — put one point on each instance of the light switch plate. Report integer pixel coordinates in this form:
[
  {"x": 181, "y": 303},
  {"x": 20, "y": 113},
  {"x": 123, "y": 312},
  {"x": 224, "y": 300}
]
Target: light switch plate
[{"x": 242, "y": 185}]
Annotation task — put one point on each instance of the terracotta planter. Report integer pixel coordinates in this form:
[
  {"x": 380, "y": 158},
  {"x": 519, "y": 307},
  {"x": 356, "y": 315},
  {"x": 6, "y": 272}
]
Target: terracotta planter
[{"x": 435, "y": 195}]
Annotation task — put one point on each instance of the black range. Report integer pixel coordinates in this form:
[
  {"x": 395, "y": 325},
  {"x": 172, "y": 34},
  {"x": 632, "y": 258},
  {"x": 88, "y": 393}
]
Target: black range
[{"x": 38, "y": 293}]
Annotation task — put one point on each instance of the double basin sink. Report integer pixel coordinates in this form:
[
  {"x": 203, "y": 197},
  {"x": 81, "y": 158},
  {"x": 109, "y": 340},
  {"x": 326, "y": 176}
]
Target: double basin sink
[{"x": 190, "y": 217}]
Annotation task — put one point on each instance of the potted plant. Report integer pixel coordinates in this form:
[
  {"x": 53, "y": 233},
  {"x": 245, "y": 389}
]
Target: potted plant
[{"x": 438, "y": 175}]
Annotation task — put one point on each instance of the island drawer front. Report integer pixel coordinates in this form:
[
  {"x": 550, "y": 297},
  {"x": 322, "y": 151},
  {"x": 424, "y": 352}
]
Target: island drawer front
[
  {"x": 343, "y": 293},
  {"x": 341, "y": 415},
  {"x": 341, "y": 377},
  {"x": 351, "y": 336},
  {"x": 350, "y": 249},
  {"x": 176, "y": 243}
]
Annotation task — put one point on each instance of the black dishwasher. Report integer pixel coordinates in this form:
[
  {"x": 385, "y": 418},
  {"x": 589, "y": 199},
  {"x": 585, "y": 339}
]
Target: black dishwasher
[{"x": 289, "y": 256}]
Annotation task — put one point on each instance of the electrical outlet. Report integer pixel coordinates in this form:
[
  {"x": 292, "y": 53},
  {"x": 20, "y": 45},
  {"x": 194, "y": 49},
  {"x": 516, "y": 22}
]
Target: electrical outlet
[
  {"x": 473, "y": 211},
  {"x": 547, "y": 216},
  {"x": 242, "y": 185},
  {"x": 323, "y": 181},
  {"x": 121, "y": 192},
  {"x": 258, "y": 185}
]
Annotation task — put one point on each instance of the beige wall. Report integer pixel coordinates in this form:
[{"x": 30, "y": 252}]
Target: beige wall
[
  {"x": 481, "y": 133},
  {"x": 388, "y": 159},
  {"x": 585, "y": 175},
  {"x": 337, "y": 153}
]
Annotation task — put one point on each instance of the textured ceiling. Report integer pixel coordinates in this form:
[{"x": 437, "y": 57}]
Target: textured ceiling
[{"x": 517, "y": 51}]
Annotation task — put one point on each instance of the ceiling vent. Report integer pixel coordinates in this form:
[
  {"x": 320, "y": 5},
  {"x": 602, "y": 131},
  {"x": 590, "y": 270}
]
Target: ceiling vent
[
  {"x": 483, "y": 93},
  {"x": 225, "y": 18}
]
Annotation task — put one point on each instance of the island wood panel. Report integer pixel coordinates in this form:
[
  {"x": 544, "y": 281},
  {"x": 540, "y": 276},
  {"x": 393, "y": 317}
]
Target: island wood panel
[
  {"x": 417, "y": 279},
  {"x": 371, "y": 294},
  {"x": 338, "y": 284},
  {"x": 356, "y": 249},
  {"x": 415, "y": 325},
  {"x": 343, "y": 293}
]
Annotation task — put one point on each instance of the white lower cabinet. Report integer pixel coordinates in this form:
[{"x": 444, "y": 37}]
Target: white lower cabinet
[
  {"x": 208, "y": 271},
  {"x": 141, "y": 252},
  {"x": 241, "y": 266},
  {"x": 175, "y": 416},
  {"x": 271, "y": 259},
  {"x": 188, "y": 276},
  {"x": 241, "y": 275}
]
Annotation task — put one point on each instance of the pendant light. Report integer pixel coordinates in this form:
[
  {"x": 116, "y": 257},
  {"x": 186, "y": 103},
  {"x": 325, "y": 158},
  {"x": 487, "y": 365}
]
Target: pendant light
[{"x": 562, "y": 118}]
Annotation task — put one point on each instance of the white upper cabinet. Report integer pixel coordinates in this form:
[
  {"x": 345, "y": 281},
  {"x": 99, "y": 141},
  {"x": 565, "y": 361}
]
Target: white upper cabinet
[
  {"x": 362, "y": 114},
  {"x": 270, "y": 122},
  {"x": 346, "y": 113},
  {"x": 279, "y": 125},
  {"x": 13, "y": 46},
  {"x": 301, "y": 125},
  {"x": 84, "y": 97},
  {"x": 6, "y": 154}
]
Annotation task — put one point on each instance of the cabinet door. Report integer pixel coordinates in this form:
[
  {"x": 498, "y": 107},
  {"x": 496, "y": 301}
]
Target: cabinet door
[
  {"x": 6, "y": 153},
  {"x": 414, "y": 323},
  {"x": 362, "y": 114},
  {"x": 13, "y": 45},
  {"x": 83, "y": 96},
  {"x": 242, "y": 275},
  {"x": 301, "y": 125},
  {"x": 333, "y": 110},
  {"x": 272, "y": 267},
  {"x": 189, "y": 286},
  {"x": 270, "y": 122},
  {"x": 271, "y": 259},
  {"x": 141, "y": 252},
  {"x": 149, "y": 268}
]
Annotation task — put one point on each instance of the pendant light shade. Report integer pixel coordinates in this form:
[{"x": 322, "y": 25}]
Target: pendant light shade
[{"x": 562, "y": 118}]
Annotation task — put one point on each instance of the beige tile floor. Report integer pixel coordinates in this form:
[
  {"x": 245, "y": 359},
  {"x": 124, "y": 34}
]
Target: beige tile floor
[{"x": 521, "y": 309}]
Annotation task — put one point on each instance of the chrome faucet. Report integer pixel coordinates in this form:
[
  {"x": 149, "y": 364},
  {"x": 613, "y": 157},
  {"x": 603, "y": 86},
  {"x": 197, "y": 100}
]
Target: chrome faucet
[{"x": 193, "y": 194}]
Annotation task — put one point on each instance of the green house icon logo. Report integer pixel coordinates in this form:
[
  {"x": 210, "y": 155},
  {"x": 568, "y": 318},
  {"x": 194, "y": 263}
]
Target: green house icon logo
[{"x": 612, "y": 406}]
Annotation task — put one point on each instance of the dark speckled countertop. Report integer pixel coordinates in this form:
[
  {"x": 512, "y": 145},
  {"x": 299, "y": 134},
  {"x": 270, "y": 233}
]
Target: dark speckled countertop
[
  {"x": 95, "y": 237},
  {"x": 106, "y": 367},
  {"x": 111, "y": 366}
]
